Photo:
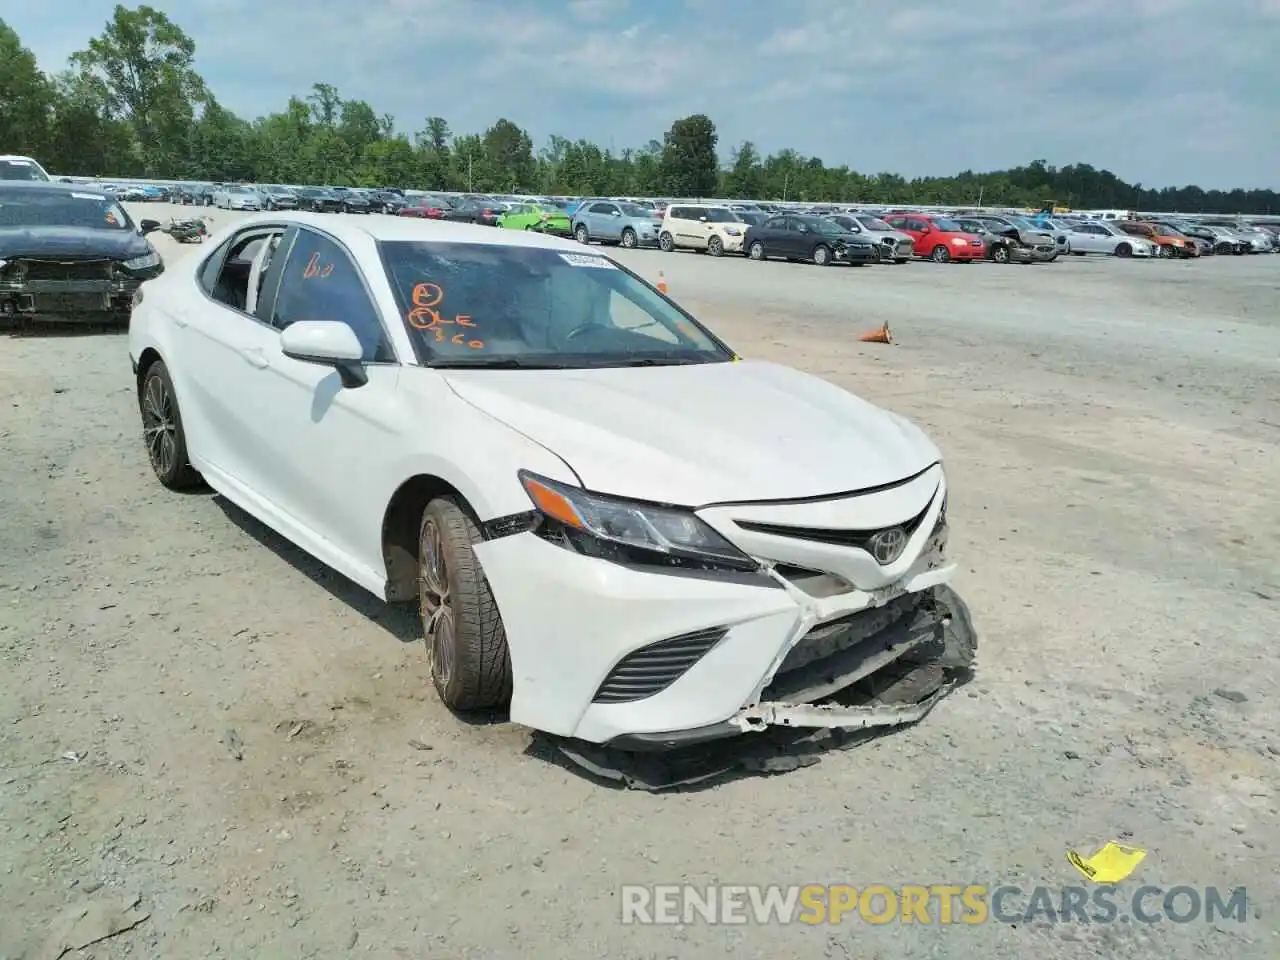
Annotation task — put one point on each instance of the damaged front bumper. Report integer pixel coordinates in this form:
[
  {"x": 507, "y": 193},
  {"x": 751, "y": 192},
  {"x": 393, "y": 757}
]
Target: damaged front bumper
[
  {"x": 70, "y": 292},
  {"x": 639, "y": 659}
]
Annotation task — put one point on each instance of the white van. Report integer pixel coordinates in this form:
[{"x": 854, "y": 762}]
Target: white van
[{"x": 13, "y": 167}]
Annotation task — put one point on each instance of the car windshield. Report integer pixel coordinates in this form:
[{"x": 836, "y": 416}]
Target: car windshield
[
  {"x": 19, "y": 170},
  {"x": 721, "y": 215},
  {"x": 1022, "y": 223},
  {"x": 1169, "y": 230},
  {"x": 875, "y": 223},
  {"x": 40, "y": 208},
  {"x": 634, "y": 210},
  {"x": 498, "y": 305},
  {"x": 948, "y": 226}
]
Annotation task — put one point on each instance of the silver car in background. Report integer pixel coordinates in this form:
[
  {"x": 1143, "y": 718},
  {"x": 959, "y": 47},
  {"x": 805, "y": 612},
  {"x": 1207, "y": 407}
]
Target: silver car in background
[
  {"x": 237, "y": 197},
  {"x": 893, "y": 245},
  {"x": 1099, "y": 236}
]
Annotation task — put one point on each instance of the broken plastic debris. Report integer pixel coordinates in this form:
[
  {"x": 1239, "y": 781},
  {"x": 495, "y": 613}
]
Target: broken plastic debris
[{"x": 1112, "y": 863}]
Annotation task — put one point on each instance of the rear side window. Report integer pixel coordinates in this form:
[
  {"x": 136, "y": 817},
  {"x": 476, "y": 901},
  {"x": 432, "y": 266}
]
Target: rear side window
[{"x": 209, "y": 272}]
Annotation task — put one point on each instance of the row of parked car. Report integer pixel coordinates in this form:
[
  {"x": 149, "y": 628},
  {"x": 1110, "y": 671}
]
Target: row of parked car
[
  {"x": 819, "y": 233},
  {"x": 860, "y": 236}
]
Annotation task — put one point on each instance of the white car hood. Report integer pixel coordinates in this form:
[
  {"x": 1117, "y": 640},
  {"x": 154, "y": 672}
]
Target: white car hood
[{"x": 702, "y": 434}]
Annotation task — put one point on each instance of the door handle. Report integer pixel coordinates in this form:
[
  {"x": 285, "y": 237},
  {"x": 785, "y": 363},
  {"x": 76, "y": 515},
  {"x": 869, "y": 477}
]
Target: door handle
[
  {"x": 255, "y": 357},
  {"x": 180, "y": 320}
]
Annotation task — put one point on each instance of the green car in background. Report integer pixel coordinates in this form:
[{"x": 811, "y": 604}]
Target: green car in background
[{"x": 532, "y": 216}]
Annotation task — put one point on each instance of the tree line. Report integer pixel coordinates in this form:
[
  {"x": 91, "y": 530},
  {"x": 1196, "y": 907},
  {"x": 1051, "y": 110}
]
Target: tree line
[{"x": 131, "y": 104}]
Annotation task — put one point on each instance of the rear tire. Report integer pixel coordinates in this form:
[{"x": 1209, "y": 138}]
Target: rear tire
[
  {"x": 822, "y": 255},
  {"x": 756, "y": 252},
  {"x": 162, "y": 430},
  {"x": 581, "y": 235},
  {"x": 466, "y": 644},
  {"x": 629, "y": 238},
  {"x": 665, "y": 242}
]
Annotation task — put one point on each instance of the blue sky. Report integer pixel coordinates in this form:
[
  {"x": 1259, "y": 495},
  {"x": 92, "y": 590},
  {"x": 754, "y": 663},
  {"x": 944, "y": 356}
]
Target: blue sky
[{"x": 1161, "y": 92}]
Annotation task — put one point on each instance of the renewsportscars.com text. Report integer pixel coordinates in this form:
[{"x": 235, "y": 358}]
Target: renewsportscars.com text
[{"x": 941, "y": 904}]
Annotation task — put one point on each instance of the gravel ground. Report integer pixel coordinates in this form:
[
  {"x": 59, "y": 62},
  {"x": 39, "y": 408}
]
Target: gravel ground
[{"x": 199, "y": 716}]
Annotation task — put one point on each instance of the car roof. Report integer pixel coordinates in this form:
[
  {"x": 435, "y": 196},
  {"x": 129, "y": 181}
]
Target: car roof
[
  {"x": 412, "y": 230},
  {"x": 55, "y": 186}
]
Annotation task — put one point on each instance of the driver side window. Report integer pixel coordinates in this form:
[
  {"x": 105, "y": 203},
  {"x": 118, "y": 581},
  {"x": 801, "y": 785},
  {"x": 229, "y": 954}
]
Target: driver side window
[{"x": 322, "y": 282}]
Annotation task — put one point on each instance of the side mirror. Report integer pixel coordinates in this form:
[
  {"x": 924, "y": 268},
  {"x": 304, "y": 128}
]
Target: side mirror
[
  {"x": 329, "y": 344},
  {"x": 617, "y": 213},
  {"x": 702, "y": 219},
  {"x": 926, "y": 229},
  {"x": 148, "y": 226}
]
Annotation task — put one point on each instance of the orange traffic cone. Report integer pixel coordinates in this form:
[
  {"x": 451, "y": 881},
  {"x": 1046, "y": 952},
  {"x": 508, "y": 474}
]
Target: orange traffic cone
[
  {"x": 878, "y": 336},
  {"x": 662, "y": 283}
]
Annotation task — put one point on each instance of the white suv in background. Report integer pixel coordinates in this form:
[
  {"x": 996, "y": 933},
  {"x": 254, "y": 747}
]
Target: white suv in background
[
  {"x": 14, "y": 167},
  {"x": 717, "y": 230}
]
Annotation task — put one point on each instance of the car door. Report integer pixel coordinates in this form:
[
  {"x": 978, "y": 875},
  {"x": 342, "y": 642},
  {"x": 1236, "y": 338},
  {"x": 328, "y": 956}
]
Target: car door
[
  {"x": 220, "y": 339},
  {"x": 770, "y": 234},
  {"x": 606, "y": 221},
  {"x": 798, "y": 238},
  {"x": 323, "y": 440}
]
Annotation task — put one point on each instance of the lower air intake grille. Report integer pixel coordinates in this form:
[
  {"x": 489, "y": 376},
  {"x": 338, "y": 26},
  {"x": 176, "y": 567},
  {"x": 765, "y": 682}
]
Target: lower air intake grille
[{"x": 652, "y": 669}]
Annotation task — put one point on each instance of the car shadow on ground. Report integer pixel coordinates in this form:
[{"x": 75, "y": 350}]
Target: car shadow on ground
[{"x": 400, "y": 620}]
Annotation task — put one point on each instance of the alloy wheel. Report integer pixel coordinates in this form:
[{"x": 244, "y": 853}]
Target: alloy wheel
[
  {"x": 159, "y": 426},
  {"x": 435, "y": 601}
]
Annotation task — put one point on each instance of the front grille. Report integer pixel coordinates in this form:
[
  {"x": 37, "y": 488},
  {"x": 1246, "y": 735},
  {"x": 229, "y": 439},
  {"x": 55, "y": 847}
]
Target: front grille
[
  {"x": 69, "y": 270},
  {"x": 859, "y": 539},
  {"x": 650, "y": 670}
]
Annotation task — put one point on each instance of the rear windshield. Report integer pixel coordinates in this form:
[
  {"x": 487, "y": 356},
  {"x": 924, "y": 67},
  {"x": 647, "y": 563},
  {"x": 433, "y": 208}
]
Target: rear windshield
[{"x": 36, "y": 208}]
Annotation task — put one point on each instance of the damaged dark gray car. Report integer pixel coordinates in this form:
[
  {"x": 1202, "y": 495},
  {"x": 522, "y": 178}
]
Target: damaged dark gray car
[{"x": 70, "y": 254}]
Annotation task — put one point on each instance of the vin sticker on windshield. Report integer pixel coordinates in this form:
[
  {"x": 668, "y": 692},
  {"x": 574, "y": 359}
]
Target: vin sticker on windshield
[
  {"x": 88, "y": 196},
  {"x": 586, "y": 260}
]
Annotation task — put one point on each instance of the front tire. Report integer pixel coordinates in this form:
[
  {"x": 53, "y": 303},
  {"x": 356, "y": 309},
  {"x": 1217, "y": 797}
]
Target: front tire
[
  {"x": 715, "y": 247},
  {"x": 940, "y": 254},
  {"x": 466, "y": 644},
  {"x": 1124, "y": 250},
  {"x": 1000, "y": 254},
  {"x": 162, "y": 430}
]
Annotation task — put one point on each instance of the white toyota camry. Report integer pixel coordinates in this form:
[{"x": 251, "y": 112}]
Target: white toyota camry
[{"x": 609, "y": 520}]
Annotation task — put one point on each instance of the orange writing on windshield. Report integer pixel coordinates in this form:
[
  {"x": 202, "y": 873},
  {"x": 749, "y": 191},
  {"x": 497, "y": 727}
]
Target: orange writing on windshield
[
  {"x": 425, "y": 316},
  {"x": 313, "y": 268}
]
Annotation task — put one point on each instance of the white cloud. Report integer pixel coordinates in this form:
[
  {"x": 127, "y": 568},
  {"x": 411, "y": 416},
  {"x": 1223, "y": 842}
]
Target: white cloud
[{"x": 1159, "y": 91}]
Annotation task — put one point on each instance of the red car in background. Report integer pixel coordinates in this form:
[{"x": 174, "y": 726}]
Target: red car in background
[
  {"x": 938, "y": 238},
  {"x": 427, "y": 207}
]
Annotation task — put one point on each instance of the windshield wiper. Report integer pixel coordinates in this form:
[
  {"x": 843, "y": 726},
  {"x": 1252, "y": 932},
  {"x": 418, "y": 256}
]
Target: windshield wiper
[{"x": 493, "y": 363}]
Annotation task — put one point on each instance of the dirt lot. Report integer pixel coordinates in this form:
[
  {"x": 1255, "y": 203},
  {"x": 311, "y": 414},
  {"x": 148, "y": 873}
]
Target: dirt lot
[{"x": 197, "y": 715}]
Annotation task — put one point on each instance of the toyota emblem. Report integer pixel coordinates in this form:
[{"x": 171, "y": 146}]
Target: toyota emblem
[{"x": 886, "y": 546}]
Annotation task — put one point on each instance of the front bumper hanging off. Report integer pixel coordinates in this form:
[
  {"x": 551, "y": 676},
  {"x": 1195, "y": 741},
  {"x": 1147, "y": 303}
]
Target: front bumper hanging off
[{"x": 627, "y": 659}]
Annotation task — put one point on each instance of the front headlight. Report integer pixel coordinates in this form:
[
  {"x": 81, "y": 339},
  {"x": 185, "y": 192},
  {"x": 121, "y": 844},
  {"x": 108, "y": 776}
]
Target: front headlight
[
  {"x": 144, "y": 262},
  {"x": 627, "y": 532},
  {"x": 732, "y": 232},
  {"x": 959, "y": 242}
]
